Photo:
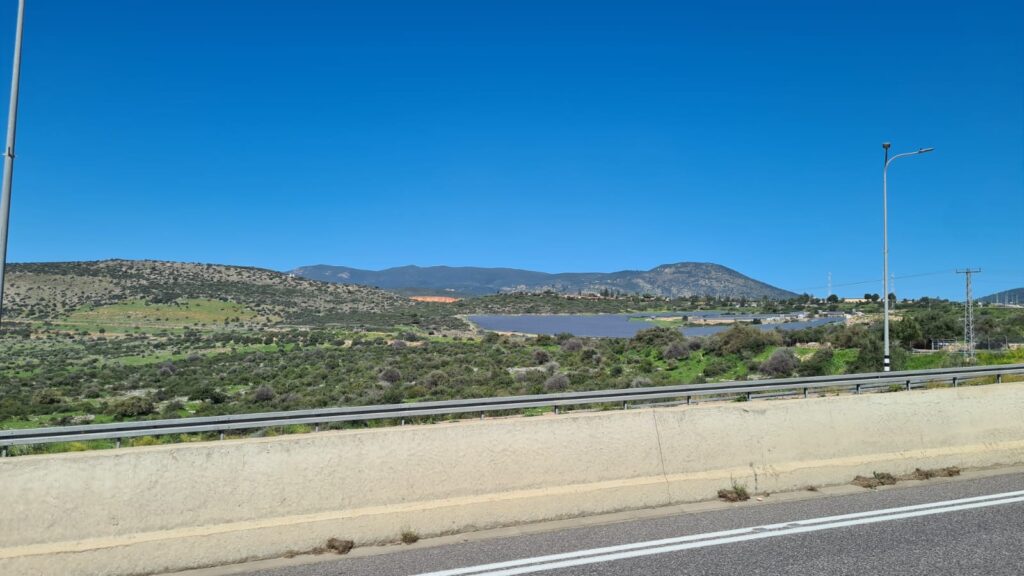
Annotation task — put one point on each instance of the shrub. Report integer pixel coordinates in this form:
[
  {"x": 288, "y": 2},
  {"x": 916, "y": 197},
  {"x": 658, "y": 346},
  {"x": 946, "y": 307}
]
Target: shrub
[
  {"x": 391, "y": 375},
  {"x": 675, "y": 351},
  {"x": 819, "y": 364},
  {"x": 541, "y": 356},
  {"x": 572, "y": 345},
  {"x": 716, "y": 367},
  {"x": 640, "y": 382},
  {"x": 171, "y": 409},
  {"x": 781, "y": 363},
  {"x": 132, "y": 407},
  {"x": 435, "y": 379},
  {"x": 556, "y": 383},
  {"x": 264, "y": 394},
  {"x": 741, "y": 338},
  {"x": 658, "y": 336}
]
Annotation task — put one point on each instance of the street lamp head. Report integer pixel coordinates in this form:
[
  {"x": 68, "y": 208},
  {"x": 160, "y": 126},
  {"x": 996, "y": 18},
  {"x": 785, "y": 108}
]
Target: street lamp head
[
  {"x": 886, "y": 145},
  {"x": 923, "y": 150}
]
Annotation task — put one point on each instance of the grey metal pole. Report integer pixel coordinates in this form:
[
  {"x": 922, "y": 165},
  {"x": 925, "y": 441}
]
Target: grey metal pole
[
  {"x": 885, "y": 247},
  {"x": 12, "y": 121}
]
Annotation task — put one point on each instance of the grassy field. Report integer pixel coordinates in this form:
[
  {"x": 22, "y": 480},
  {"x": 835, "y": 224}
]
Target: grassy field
[{"x": 141, "y": 316}]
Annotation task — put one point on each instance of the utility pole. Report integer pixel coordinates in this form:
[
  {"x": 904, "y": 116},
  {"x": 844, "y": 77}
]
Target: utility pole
[
  {"x": 968, "y": 315},
  {"x": 12, "y": 121},
  {"x": 829, "y": 286}
]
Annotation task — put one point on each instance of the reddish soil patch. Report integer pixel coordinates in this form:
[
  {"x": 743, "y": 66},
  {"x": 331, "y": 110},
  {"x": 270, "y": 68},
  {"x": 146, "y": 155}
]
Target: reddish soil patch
[{"x": 443, "y": 299}]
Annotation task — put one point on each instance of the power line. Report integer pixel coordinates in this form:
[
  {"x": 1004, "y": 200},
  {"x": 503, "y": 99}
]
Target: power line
[{"x": 862, "y": 282}]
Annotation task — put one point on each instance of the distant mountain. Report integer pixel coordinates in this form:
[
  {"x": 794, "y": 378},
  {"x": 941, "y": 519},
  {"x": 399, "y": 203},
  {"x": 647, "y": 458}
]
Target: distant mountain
[
  {"x": 669, "y": 280},
  {"x": 1012, "y": 296}
]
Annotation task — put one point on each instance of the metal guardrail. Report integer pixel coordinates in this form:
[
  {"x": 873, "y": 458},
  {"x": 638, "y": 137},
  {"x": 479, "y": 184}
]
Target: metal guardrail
[{"x": 751, "y": 389}]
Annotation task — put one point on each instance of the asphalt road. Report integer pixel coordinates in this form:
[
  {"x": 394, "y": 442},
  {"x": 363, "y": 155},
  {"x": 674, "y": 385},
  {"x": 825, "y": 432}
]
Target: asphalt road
[{"x": 913, "y": 530}]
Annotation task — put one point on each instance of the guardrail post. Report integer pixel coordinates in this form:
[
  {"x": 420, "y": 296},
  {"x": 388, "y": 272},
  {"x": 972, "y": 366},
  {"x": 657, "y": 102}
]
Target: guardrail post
[
  {"x": 316, "y": 427},
  {"x": 402, "y": 422},
  {"x": 805, "y": 392},
  {"x": 999, "y": 378},
  {"x": 3, "y": 453},
  {"x": 954, "y": 382},
  {"x": 117, "y": 443},
  {"x": 748, "y": 396},
  {"x": 625, "y": 406},
  {"x": 856, "y": 389},
  {"x": 908, "y": 385},
  {"x": 221, "y": 434},
  {"x": 688, "y": 400}
]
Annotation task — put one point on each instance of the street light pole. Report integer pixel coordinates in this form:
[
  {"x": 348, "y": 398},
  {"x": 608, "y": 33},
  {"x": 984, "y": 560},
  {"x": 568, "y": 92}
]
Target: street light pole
[
  {"x": 12, "y": 121},
  {"x": 885, "y": 247}
]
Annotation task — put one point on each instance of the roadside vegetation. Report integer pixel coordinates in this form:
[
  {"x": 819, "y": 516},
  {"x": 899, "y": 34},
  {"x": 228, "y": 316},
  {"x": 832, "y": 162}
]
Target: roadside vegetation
[{"x": 129, "y": 340}]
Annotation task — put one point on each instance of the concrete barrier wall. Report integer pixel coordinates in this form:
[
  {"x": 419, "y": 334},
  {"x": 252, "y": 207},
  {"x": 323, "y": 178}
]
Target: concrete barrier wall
[{"x": 143, "y": 510}]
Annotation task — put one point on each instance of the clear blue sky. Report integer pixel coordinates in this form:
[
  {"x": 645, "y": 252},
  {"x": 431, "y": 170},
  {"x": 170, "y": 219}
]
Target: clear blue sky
[{"x": 586, "y": 136}]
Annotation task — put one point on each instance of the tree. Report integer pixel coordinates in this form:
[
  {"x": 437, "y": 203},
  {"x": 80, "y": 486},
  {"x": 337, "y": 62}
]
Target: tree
[{"x": 832, "y": 299}]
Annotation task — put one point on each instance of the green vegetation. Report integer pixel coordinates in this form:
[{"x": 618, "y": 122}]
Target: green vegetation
[{"x": 100, "y": 342}]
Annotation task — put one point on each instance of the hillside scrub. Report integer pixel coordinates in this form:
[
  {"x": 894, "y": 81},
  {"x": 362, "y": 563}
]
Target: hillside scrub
[{"x": 54, "y": 373}]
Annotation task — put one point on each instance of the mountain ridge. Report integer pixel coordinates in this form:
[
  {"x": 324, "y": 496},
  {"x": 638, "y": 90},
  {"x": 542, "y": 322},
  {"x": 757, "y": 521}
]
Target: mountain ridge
[
  {"x": 1011, "y": 296},
  {"x": 680, "y": 279}
]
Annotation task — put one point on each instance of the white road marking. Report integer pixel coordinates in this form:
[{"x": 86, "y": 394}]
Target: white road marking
[{"x": 610, "y": 553}]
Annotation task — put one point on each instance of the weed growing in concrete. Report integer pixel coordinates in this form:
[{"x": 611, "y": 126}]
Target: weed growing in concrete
[
  {"x": 876, "y": 480},
  {"x": 737, "y": 493},
  {"x": 340, "y": 546},
  {"x": 409, "y": 536}
]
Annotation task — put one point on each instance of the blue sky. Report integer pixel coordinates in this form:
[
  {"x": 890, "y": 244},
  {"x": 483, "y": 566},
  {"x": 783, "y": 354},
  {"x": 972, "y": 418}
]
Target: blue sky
[{"x": 591, "y": 136}]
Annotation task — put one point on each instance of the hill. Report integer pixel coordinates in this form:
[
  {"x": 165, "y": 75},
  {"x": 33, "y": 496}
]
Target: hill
[
  {"x": 155, "y": 291},
  {"x": 1012, "y": 296},
  {"x": 683, "y": 279}
]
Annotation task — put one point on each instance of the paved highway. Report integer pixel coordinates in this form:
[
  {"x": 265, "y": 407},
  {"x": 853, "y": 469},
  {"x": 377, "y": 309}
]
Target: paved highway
[{"x": 964, "y": 526}]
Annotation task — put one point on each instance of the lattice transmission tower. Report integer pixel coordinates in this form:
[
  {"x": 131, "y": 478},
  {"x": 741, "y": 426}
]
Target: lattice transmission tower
[{"x": 968, "y": 315}]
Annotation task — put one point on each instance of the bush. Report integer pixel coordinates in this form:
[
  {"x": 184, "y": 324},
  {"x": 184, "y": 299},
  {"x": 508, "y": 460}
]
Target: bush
[
  {"x": 391, "y": 375},
  {"x": 264, "y": 394},
  {"x": 741, "y": 338},
  {"x": 556, "y": 383},
  {"x": 131, "y": 407},
  {"x": 675, "y": 351},
  {"x": 782, "y": 363},
  {"x": 656, "y": 337},
  {"x": 819, "y": 364},
  {"x": 171, "y": 409},
  {"x": 572, "y": 345},
  {"x": 716, "y": 367},
  {"x": 541, "y": 357},
  {"x": 640, "y": 382},
  {"x": 435, "y": 379}
]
